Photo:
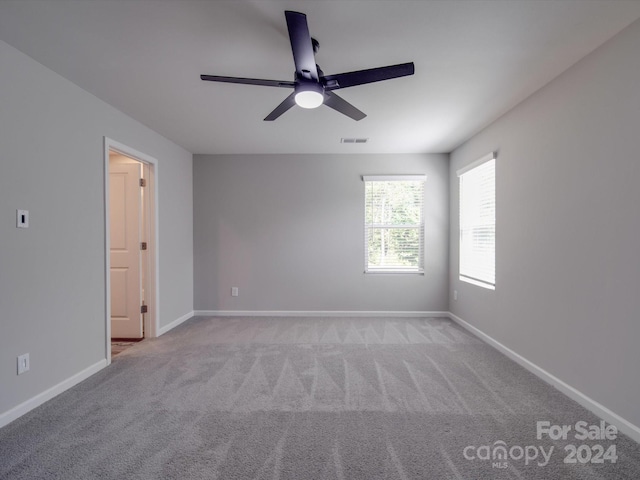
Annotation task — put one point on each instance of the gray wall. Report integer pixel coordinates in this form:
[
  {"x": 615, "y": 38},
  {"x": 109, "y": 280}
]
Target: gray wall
[
  {"x": 52, "y": 280},
  {"x": 288, "y": 230},
  {"x": 568, "y": 227}
]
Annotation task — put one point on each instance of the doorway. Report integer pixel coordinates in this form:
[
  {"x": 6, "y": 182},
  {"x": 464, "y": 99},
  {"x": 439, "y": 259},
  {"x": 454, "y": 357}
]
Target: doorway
[{"x": 130, "y": 246}]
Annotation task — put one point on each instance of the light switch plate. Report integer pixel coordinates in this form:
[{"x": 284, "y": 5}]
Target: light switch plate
[
  {"x": 23, "y": 363},
  {"x": 22, "y": 218}
]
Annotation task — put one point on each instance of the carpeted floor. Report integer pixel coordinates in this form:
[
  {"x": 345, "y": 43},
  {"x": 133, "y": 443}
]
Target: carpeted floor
[{"x": 312, "y": 398}]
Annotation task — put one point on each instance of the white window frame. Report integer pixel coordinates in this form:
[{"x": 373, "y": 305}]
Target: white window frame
[
  {"x": 477, "y": 268},
  {"x": 420, "y": 227}
]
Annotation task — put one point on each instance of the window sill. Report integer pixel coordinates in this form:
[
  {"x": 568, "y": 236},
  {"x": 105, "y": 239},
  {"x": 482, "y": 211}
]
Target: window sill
[{"x": 392, "y": 272}]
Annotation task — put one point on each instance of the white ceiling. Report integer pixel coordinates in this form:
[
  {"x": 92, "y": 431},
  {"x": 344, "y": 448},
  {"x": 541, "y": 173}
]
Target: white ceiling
[{"x": 474, "y": 60}]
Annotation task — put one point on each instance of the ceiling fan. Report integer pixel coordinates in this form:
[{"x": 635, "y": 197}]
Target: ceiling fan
[{"x": 311, "y": 87}]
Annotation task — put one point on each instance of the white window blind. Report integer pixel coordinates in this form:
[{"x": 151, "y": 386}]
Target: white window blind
[
  {"x": 478, "y": 222},
  {"x": 394, "y": 223}
]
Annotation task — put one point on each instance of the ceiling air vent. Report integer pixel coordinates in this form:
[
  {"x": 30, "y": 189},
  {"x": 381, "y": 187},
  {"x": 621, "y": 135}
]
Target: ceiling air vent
[{"x": 354, "y": 140}]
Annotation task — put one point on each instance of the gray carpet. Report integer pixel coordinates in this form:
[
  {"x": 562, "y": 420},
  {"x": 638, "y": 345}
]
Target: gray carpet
[{"x": 299, "y": 399}]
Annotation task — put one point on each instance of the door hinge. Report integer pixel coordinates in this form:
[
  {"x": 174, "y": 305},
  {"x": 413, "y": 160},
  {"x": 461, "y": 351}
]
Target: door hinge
[
  {"x": 143, "y": 182},
  {"x": 143, "y": 245},
  {"x": 143, "y": 309}
]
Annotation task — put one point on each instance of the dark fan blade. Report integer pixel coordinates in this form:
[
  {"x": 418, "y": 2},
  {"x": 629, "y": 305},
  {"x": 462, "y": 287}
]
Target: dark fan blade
[
  {"x": 301, "y": 45},
  {"x": 337, "y": 103},
  {"x": 283, "y": 107},
  {"x": 360, "y": 77},
  {"x": 248, "y": 81}
]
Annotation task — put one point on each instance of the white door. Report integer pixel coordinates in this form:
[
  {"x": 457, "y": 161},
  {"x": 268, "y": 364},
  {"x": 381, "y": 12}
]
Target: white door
[{"x": 124, "y": 216}]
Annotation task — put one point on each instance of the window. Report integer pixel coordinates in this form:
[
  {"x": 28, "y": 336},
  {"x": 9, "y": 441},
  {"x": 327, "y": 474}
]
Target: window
[
  {"x": 394, "y": 223},
  {"x": 478, "y": 222}
]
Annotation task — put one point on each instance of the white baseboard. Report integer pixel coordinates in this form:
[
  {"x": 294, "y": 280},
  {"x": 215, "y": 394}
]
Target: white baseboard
[
  {"x": 19, "y": 410},
  {"x": 314, "y": 313},
  {"x": 175, "y": 323},
  {"x": 601, "y": 411}
]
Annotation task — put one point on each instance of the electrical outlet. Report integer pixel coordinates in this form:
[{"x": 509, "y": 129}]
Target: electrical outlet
[
  {"x": 234, "y": 291},
  {"x": 23, "y": 363}
]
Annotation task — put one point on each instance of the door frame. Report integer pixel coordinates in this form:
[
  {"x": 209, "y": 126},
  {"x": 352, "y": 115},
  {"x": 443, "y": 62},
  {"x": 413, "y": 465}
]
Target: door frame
[{"x": 152, "y": 317}]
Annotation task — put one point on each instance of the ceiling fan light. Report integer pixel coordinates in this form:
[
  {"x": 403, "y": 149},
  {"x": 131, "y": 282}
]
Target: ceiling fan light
[
  {"x": 309, "y": 96},
  {"x": 309, "y": 99}
]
